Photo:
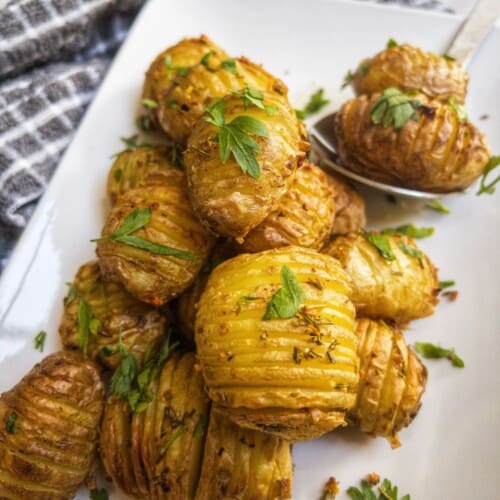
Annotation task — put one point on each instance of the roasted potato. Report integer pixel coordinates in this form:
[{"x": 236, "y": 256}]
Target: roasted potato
[
  {"x": 245, "y": 464},
  {"x": 434, "y": 151},
  {"x": 401, "y": 286},
  {"x": 228, "y": 200},
  {"x": 156, "y": 454},
  {"x": 49, "y": 429},
  {"x": 391, "y": 382},
  {"x": 292, "y": 377},
  {"x": 350, "y": 213},
  {"x": 407, "y": 68},
  {"x": 200, "y": 71},
  {"x": 115, "y": 312},
  {"x": 143, "y": 166},
  {"x": 304, "y": 215},
  {"x": 150, "y": 276}
]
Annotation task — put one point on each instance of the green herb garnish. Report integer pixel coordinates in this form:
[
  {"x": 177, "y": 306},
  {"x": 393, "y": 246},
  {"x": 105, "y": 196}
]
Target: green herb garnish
[
  {"x": 410, "y": 230},
  {"x": 315, "y": 104},
  {"x": 144, "y": 123},
  {"x": 364, "y": 66},
  {"x": 446, "y": 284},
  {"x": 88, "y": 325},
  {"x": 205, "y": 60},
  {"x": 125, "y": 373},
  {"x": 99, "y": 494},
  {"x": 437, "y": 206},
  {"x": 72, "y": 293},
  {"x": 234, "y": 137},
  {"x": 182, "y": 70},
  {"x": 131, "y": 143},
  {"x": 176, "y": 158},
  {"x": 381, "y": 243},
  {"x": 200, "y": 427},
  {"x": 229, "y": 65},
  {"x": 386, "y": 492},
  {"x": 176, "y": 434},
  {"x": 11, "y": 425},
  {"x": 412, "y": 252},
  {"x": 489, "y": 188},
  {"x": 117, "y": 174},
  {"x": 247, "y": 299},
  {"x": 347, "y": 79},
  {"x": 448, "y": 57},
  {"x": 391, "y": 43},
  {"x": 40, "y": 340},
  {"x": 254, "y": 97},
  {"x": 135, "y": 220},
  {"x": 149, "y": 103},
  {"x": 459, "y": 109},
  {"x": 393, "y": 108},
  {"x": 431, "y": 351},
  {"x": 287, "y": 300}
]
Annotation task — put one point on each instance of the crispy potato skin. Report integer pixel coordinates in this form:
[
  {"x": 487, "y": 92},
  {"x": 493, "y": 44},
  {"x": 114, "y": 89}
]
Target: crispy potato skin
[
  {"x": 399, "y": 290},
  {"x": 437, "y": 153},
  {"x": 350, "y": 215},
  {"x": 139, "y": 167},
  {"x": 182, "y": 98},
  {"x": 304, "y": 216},
  {"x": 59, "y": 405},
  {"x": 245, "y": 464},
  {"x": 392, "y": 381},
  {"x": 117, "y": 311},
  {"x": 250, "y": 365},
  {"x": 228, "y": 200},
  {"x": 131, "y": 443},
  {"x": 407, "y": 68},
  {"x": 153, "y": 278}
]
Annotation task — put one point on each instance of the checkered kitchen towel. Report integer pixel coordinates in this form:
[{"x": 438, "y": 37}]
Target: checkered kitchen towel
[{"x": 53, "y": 54}]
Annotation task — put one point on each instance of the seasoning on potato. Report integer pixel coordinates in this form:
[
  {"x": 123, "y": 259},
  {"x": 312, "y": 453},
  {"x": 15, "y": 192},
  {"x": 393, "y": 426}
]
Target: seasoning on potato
[
  {"x": 392, "y": 381},
  {"x": 391, "y": 278},
  {"x": 49, "y": 429},
  {"x": 97, "y": 312},
  {"x": 275, "y": 339}
]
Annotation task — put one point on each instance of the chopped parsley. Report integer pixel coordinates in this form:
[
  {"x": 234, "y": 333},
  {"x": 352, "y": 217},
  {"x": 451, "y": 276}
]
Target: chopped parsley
[
  {"x": 315, "y": 104},
  {"x": 254, "y": 97},
  {"x": 411, "y": 231},
  {"x": 364, "y": 66},
  {"x": 201, "y": 425},
  {"x": 437, "y": 206},
  {"x": 229, "y": 65},
  {"x": 381, "y": 243},
  {"x": 99, "y": 494},
  {"x": 391, "y": 43},
  {"x": 88, "y": 324},
  {"x": 182, "y": 70},
  {"x": 411, "y": 251},
  {"x": 386, "y": 491},
  {"x": 205, "y": 60},
  {"x": 347, "y": 79},
  {"x": 149, "y": 103},
  {"x": 394, "y": 108},
  {"x": 446, "y": 284},
  {"x": 489, "y": 188},
  {"x": 11, "y": 425},
  {"x": 40, "y": 340},
  {"x": 176, "y": 158},
  {"x": 176, "y": 434},
  {"x": 459, "y": 109},
  {"x": 431, "y": 351}
]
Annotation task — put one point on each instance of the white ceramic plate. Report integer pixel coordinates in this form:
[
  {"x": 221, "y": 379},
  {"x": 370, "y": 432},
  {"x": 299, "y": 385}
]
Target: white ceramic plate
[{"x": 451, "y": 450}]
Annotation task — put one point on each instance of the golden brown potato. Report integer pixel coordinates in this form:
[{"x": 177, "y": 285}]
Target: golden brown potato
[
  {"x": 291, "y": 377},
  {"x": 391, "y": 382},
  {"x": 157, "y": 453},
  {"x": 304, "y": 215},
  {"x": 151, "y": 276},
  {"x": 228, "y": 200},
  {"x": 245, "y": 464},
  {"x": 200, "y": 71},
  {"x": 407, "y": 68},
  {"x": 433, "y": 152},
  {"x": 142, "y": 166},
  {"x": 350, "y": 213},
  {"x": 401, "y": 287},
  {"x": 49, "y": 429},
  {"x": 114, "y": 312}
]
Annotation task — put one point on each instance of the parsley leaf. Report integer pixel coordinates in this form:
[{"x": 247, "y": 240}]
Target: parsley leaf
[
  {"x": 411, "y": 231},
  {"x": 131, "y": 142},
  {"x": 200, "y": 427},
  {"x": 136, "y": 219},
  {"x": 446, "y": 284},
  {"x": 229, "y": 65},
  {"x": 176, "y": 433},
  {"x": 176, "y": 158},
  {"x": 254, "y": 97},
  {"x": 286, "y": 301},
  {"x": 182, "y": 70},
  {"x": 391, "y": 43},
  {"x": 381, "y": 243},
  {"x": 40, "y": 340},
  {"x": 364, "y": 66},
  {"x": 431, "y": 351},
  {"x": 459, "y": 109},
  {"x": 149, "y": 103},
  {"x": 412, "y": 252},
  {"x": 72, "y": 293},
  {"x": 205, "y": 60},
  {"x": 489, "y": 188},
  {"x": 394, "y": 108},
  {"x": 315, "y": 104},
  {"x": 99, "y": 494},
  {"x": 386, "y": 492},
  {"x": 125, "y": 373},
  {"x": 87, "y": 324},
  {"x": 347, "y": 79},
  {"x": 117, "y": 174},
  {"x": 234, "y": 138},
  {"x": 144, "y": 123},
  {"x": 11, "y": 425},
  {"x": 437, "y": 206},
  {"x": 448, "y": 57}
]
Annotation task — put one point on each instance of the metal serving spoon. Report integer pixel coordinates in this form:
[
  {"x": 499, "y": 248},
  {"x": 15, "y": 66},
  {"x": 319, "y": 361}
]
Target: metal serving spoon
[{"x": 468, "y": 38}]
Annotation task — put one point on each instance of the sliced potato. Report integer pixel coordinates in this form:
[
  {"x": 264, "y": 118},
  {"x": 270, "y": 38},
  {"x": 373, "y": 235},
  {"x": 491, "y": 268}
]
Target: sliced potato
[
  {"x": 49, "y": 429},
  {"x": 304, "y": 216},
  {"x": 291, "y": 377},
  {"x": 392, "y": 381},
  {"x": 116, "y": 313},
  {"x": 408, "y": 68},
  {"x": 401, "y": 289},
  {"x": 435, "y": 152},
  {"x": 242, "y": 463}
]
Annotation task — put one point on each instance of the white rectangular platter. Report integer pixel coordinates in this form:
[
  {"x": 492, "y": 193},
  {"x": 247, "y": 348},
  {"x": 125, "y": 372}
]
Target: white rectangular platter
[{"x": 451, "y": 451}]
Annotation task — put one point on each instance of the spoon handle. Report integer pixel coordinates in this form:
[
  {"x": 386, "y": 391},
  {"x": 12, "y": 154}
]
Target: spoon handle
[{"x": 474, "y": 30}]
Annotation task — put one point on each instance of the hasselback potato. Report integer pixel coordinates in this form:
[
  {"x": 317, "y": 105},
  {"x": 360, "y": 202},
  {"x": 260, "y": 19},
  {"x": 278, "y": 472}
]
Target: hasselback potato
[
  {"x": 245, "y": 464},
  {"x": 226, "y": 198},
  {"x": 150, "y": 275},
  {"x": 391, "y": 382},
  {"x": 109, "y": 311},
  {"x": 49, "y": 429},
  {"x": 141, "y": 166},
  {"x": 434, "y": 150},
  {"x": 407, "y": 68},
  {"x": 200, "y": 71},
  {"x": 401, "y": 286},
  {"x": 292, "y": 376},
  {"x": 156, "y": 453},
  {"x": 304, "y": 215}
]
